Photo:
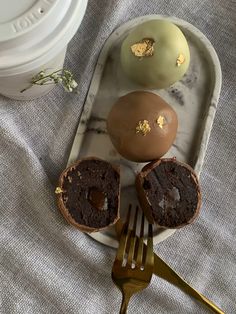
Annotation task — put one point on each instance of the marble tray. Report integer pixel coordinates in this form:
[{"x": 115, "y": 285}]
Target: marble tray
[{"x": 194, "y": 98}]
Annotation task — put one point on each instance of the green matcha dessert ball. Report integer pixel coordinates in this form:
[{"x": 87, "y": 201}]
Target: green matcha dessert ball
[{"x": 155, "y": 54}]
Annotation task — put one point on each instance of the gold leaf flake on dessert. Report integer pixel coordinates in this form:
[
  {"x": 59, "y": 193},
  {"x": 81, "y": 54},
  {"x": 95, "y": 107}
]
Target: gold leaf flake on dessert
[
  {"x": 161, "y": 121},
  {"x": 180, "y": 60},
  {"x": 58, "y": 190},
  {"x": 143, "y": 127},
  {"x": 144, "y": 48}
]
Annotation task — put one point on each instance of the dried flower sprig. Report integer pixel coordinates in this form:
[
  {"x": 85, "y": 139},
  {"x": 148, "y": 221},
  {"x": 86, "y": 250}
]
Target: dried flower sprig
[{"x": 62, "y": 76}]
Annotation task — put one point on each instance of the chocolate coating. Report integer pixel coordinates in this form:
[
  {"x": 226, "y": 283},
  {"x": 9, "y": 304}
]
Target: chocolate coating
[
  {"x": 89, "y": 194},
  {"x": 169, "y": 193},
  {"x": 142, "y": 126}
]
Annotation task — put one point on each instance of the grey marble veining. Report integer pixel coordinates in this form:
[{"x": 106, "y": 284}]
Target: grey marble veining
[{"x": 194, "y": 98}]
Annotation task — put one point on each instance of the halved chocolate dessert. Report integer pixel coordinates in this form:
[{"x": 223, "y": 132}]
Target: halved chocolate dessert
[
  {"x": 169, "y": 193},
  {"x": 88, "y": 194}
]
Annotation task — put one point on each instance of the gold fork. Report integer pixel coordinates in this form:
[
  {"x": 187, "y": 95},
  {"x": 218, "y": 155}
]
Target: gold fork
[
  {"x": 163, "y": 270},
  {"x": 133, "y": 267}
]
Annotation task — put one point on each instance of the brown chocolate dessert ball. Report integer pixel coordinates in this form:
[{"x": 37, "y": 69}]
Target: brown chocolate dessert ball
[
  {"x": 169, "y": 193},
  {"x": 142, "y": 126},
  {"x": 88, "y": 194}
]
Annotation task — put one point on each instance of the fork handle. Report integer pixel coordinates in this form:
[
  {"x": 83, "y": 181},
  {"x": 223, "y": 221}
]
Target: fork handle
[
  {"x": 164, "y": 271},
  {"x": 210, "y": 304},
  {"x": 125, "y": 300}
]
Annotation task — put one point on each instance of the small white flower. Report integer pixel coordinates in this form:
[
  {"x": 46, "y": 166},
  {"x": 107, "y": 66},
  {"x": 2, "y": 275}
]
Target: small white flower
[
  {"x": 54, "y": 76},
  {"x": 73, "y": 84},
  {"x": 67, "y": 88},
  {"x": 41, "y": 74},
  {"x": 63, "y": 77}
]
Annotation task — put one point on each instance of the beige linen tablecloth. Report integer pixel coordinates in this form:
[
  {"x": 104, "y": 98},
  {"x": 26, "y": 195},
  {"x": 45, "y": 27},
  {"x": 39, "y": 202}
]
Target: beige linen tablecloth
[{"x": 47, "y": 266}]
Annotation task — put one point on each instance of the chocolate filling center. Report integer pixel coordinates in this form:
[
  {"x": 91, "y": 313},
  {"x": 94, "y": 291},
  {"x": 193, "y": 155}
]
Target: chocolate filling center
[
  {"x": 97, "y": 199},
  {"x": 170, "y": 199}
]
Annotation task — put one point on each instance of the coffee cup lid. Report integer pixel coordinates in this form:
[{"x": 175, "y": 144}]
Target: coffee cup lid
[{"x": 31, "y": 29}]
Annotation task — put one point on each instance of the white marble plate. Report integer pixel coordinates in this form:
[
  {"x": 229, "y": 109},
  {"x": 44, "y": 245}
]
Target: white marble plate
[{"x": 194, "y": 98}]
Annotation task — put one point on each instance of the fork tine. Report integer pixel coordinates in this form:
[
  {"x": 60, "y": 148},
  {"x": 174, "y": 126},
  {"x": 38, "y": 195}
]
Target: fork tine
[
  {"x": 127, "y": 278},
  {"x": 140, "y": 244},
  {"x": 135, "y": 219},
  {"x": 149, "y": 251},
  {"x": 124, "y": 237},
  {"x": 128, "y": 215},
  {"x": 133, "y": 239}
]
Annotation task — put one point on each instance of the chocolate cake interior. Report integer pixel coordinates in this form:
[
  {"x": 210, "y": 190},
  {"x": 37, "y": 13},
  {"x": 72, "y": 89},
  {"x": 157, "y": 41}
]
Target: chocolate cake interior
[
  {"x": 172, "y": 188},
  {"x": 91, "y": 193}
]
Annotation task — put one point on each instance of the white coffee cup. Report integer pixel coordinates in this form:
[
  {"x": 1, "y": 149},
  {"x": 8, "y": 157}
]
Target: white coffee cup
[{"x": 34, "y": 35}]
